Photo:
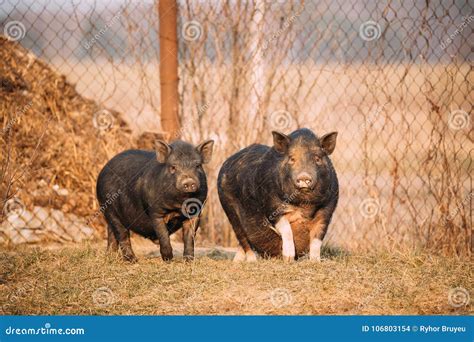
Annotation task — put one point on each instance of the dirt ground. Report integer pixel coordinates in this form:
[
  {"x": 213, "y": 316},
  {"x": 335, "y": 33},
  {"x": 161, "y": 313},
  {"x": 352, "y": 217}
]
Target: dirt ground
[{"x": 82, "y": 279}]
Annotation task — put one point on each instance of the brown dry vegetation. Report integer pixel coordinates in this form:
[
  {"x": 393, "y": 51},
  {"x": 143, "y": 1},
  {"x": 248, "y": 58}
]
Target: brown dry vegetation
[
  {"x": 35, "y": 281},
  {"x": 48, "y": 135}
]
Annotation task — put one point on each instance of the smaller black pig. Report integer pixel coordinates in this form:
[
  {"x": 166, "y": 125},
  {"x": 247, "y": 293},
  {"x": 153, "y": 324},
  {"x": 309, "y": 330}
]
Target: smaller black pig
[
  {"x": 280, "y": 199},
  {"x": 154, "y": 194}
]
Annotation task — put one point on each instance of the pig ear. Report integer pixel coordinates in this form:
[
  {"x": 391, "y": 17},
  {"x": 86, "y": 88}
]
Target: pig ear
[
  {"x": 205, "y": 149},
  {"x": 280, "y": 142},
  {"x": 328, "y": 142},
  {"x": 163, "y": 150}
]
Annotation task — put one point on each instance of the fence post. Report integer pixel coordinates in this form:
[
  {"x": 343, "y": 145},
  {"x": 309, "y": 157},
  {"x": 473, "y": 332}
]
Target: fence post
[{"x": 168, "y": 13}]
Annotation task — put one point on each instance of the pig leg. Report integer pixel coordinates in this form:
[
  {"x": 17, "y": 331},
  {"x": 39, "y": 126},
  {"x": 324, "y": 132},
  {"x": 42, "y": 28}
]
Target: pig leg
[
  {"x": 288, "y": 248},
  {"x": 317, "y": 231},
  {"x": 112, "y": 243},
  {"x": 162, "y": 233},
  {"x": 245, "y": 252},
  {"x": 240, "y": 255},
  {"x": 189, "y": 230},
  {"x": 122, "y": 235}
]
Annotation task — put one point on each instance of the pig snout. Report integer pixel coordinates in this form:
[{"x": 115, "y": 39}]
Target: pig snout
[
  {"x": 304, "y": 181},
  {"x": 189, "y": 184}
]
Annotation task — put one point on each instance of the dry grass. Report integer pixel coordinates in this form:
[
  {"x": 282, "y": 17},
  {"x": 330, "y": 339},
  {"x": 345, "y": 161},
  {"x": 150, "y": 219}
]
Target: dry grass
[{"x": 65, "y": 281}]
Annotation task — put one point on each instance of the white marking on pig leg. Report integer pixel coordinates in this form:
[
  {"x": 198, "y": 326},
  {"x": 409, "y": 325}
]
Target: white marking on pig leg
[
  {"x": 240, "y": 255},
  {"x": 315, "y": 250},
  {"x": 250, "y": 256},
  {"x": 288, "y": 248}
]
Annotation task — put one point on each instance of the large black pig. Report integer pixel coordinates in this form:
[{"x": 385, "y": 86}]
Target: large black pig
[
  {"x": 280, "y": 199},
  {"x": 154, "y": 193}
]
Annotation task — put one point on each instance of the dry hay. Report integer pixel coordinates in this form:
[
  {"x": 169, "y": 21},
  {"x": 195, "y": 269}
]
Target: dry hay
[
  {"x": 48, "y": 140},
  {"x": 81, "y": 280}
]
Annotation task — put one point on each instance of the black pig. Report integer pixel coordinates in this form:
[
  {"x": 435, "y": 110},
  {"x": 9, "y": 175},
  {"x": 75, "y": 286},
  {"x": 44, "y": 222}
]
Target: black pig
[
  {"x": 154, "y": 194},
  {"x": 280, "y": 199}
]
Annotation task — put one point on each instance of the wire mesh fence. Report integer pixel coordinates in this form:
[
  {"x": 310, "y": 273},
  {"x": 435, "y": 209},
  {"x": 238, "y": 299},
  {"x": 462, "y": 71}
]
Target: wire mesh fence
[{"x": 394, "y": 79}]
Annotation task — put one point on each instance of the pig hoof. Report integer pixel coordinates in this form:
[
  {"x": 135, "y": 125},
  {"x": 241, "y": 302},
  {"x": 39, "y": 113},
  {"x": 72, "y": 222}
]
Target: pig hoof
[
  {"x": 315, "y": 258},
  {"x": 315, "y": 250},
  {"x": 130, "y": 258},
  {"x": 167, "y": 257},
  {"x": 239, "y": 256},
  {"x": 250, "y": 256},
  {"x": 188, "y": 257},
  {"x": 288, "y": 258}
]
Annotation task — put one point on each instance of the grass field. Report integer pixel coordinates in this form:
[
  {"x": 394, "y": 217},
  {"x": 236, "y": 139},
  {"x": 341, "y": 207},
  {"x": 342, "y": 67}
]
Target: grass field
[{"x": 82, "y": 280}]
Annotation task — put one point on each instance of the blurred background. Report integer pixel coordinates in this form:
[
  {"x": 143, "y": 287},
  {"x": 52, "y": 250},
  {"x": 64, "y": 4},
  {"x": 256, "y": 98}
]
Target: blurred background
[{"x": 80, "y": 81}]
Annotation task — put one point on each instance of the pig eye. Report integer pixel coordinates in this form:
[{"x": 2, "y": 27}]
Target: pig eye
[
  {"x": 292, "y": 160},
  {"x": 172, "y": 168},
  {"x": 317, "y": 159}
]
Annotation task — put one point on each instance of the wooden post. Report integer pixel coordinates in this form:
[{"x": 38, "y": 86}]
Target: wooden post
[{"x": 168, "y": 13}]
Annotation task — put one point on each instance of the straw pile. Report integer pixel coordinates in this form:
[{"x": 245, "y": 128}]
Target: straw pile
[{"x": 53, "y": 141}]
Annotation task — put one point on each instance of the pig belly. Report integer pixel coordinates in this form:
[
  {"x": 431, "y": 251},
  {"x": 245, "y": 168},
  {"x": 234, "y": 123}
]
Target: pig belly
[{"x": 269, "y": 244}]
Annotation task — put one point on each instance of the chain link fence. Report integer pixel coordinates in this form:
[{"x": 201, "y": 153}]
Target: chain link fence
[{"x": 394, "y": 79}]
